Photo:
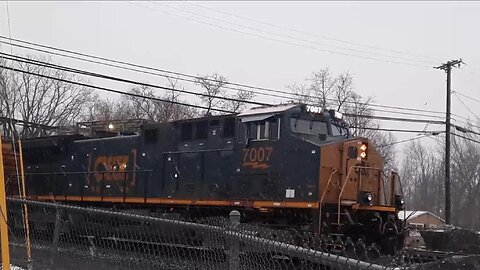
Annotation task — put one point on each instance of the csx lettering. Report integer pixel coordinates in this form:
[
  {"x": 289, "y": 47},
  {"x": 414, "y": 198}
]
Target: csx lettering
[{"x": 114, "y": 165}]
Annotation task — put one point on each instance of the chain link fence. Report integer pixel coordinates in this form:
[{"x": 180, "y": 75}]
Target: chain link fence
[{"x": 70, "y": 237}]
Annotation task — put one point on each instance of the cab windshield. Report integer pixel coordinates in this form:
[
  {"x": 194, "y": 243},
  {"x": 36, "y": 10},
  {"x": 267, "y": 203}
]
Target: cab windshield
[
  {"x": 308, "y": 127},
  {"x": 338, "y": 130}
]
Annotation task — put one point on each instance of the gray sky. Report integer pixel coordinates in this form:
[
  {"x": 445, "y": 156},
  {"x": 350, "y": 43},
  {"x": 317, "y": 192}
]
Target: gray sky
[{"x": 168, "y": 35}]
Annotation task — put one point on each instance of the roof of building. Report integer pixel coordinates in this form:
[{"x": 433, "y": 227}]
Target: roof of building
[{"x": 414, "y": 214}]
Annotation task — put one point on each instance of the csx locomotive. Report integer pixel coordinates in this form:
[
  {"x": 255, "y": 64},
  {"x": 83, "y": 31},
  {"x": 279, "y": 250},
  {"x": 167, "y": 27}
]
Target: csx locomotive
[{"x": 282, "y": 165}]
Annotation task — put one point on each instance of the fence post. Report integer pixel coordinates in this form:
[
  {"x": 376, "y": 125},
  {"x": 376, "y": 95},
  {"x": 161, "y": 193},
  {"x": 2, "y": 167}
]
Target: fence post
[
  {"x": 3, "y": 222},
  {"x": 25, "y": 207},
  {"x": 234, "y": 244},
  {"x": 56, "y": 232}
]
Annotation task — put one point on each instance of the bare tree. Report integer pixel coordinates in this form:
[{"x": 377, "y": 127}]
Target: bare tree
[
  {"x": 215, "y": 94},
  {"x": 423, "y": 176},
  {"x": 108, "y": 109},
  {"x": 147, "y": 103},
  {"x": 213, "y": 89},
  {"x": 40, "y": 100},
  {"x": 238, "y": 104},
  {"x": 303, "y": 93},
  {"x": 421, "y": 173},
  {"x": 465, "y": 182},
  {"x": 327, "y": 91}
]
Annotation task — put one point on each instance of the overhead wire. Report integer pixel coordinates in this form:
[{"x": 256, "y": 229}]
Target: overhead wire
[
  {"x": 469, "y": 97},
  {"x": 189, "y": 18},
  {"x": 465, "y": 105},
  {"x": 98, "y": 75},
  {"x": 103, "y": 76},
  {"x": 434, "y": 60},
  {"x": 466, "y": 138},
  {"x": 432, "y": 132},
  {"x": 290, "y": 95},
  {"x": 216, "y": 19},
  {"x": 424, "y": 121},
  {"x": 203, "y": 107},
  {"x": 395, "y": 118},
  {"x": 113, "y": 90},
  {"x": 404, "y": 141}
]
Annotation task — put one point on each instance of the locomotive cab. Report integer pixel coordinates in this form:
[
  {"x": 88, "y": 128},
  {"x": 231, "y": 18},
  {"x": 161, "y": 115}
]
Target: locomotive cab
[{"x": 308, "y": 159}]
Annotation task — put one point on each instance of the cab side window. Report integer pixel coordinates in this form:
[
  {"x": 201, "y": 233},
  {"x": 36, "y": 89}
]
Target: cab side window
[{"x": 263, "y": 130}]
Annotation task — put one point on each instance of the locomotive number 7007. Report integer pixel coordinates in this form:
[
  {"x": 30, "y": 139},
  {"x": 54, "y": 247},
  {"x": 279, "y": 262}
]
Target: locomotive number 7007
[{"x": 260, "y": 154}]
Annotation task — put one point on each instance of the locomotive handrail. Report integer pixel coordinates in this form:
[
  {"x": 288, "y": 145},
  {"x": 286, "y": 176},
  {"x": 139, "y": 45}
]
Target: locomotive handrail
[
  {"x": 345, "y": 184},
  {"x": 328, "y": 184},
  {"x": 321, "y": 201},
  {"x": 84, "y": 172},
  {"x": 198, "y": 151}
]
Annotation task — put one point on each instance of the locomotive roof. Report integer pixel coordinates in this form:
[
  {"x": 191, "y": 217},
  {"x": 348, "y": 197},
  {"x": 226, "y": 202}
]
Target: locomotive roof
[
  {"x": 209, "y": 117},
  {"x": 253, "y": 111},
  {"x": 268, "y": 109}
]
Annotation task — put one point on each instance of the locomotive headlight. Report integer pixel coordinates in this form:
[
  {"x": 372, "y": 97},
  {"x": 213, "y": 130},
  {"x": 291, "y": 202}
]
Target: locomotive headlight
[
  {"x": 363, "y": 155},
  {"x": 399, "y": 202},
  {"x": 365, "y": 198}
]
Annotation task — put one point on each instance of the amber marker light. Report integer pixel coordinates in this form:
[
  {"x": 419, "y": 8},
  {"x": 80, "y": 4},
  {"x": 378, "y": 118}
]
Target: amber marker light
[
  {"x": 363, "y": 147},
  {"x": 363, "y": 151}
]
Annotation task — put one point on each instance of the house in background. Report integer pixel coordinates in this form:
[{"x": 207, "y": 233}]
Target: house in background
[
  {"x": 417, "y": 221},
  {"x": 420, "y": 219}
]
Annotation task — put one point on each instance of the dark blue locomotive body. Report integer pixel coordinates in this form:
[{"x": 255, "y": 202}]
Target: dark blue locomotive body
[{"x": 282, "y": 165}]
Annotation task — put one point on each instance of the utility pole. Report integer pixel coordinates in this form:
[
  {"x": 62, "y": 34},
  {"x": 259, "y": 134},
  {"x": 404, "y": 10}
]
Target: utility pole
[{"x": 447, "y": 67}]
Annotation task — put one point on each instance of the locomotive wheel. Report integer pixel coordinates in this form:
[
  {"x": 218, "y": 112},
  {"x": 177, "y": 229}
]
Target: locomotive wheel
[
  {"x": 360, "y": 249},
  {"x": 373, "y": 252}
]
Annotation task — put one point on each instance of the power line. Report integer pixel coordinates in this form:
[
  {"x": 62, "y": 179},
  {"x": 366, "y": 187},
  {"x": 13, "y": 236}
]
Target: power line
[
  {"x": 143, "y": 71},
  {"x": 310, "y": 33},
  {"x": 40, "y": 63},
  {"x": 466, "y": 138},
  {"x": 99, "y": 75},
  {"x": 404, "y": 141},
  {"x": 185, "y": 75},
  {"x": 68, "y": 69},
  {"x": 431, "y": 132},
  {"x": 216, "y": 19},
  {"x": 465, "y": 130},
  {"x": 154, "y": 98},
  {"x": 463, "y": 95},
  {"x": 114, "y": 91},
  {"x": 395, "y": 118},
  {"x": 465, "y": 105},
  {"x": 273, "y": 39},
  {"x": 195, "y": 106},
  {"x": 36, "y": 62}
]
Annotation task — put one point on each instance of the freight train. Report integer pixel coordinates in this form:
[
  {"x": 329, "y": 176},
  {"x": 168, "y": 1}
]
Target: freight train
[{"x": 285, "y": 166}]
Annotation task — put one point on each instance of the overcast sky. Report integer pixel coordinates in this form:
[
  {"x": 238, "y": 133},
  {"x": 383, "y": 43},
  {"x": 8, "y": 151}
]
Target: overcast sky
[{"x": 267, "y": 49}]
